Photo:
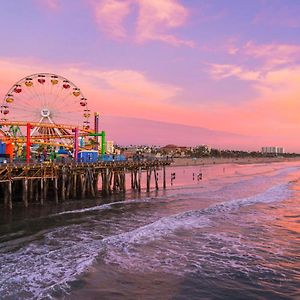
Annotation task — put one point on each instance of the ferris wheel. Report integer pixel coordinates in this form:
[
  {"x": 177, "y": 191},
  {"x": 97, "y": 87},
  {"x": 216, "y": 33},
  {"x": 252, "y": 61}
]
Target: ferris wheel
[{"x": 46, "y": 98}]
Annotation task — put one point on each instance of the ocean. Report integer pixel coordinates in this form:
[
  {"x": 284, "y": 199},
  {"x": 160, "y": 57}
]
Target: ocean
[{"x": 234, "y": 234}]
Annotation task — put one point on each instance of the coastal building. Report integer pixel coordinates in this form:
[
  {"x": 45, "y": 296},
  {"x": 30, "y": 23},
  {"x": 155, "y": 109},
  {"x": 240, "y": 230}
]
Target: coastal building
[
  {"x": 174, "y": 150},
  {"x": 204, "y": 149},
  {"x": 272, "y": 150},
  {"x": 110, "y": 149}
]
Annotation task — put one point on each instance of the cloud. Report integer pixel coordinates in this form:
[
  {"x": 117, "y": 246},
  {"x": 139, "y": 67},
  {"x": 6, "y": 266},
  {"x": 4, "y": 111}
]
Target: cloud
[
  {"x": 156, "y": 17},
  {"x": 274, "y": 54},
  {"x": 154, "y": 21},
  {"x": 50, "y": 4},
  {"x": 110, "y": 15},
  {"x": 272, "y": 71},
  {"x": 115, "y": 92},
  {"x": 222, "y": 71},
  {"x": 276, "y": 106},
  {"x": 131, "y": 83},
  {"x": 131, "y": 93}
]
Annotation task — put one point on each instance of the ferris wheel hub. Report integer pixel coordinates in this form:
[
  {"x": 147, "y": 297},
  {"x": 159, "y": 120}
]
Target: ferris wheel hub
[{"x": 45, "y": 113}]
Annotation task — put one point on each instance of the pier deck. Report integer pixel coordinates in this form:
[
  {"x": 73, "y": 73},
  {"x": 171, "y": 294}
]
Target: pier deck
[{"x": 37, "y": 183}]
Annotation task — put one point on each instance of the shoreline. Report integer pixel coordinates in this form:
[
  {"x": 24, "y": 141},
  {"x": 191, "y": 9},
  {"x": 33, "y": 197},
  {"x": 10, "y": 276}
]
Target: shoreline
[{"x": 180, "y": 162}]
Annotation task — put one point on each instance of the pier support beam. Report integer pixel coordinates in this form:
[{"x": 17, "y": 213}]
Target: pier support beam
[
  {"x": 140, "y": 178},
  {"x": 164, "y": 177},
  {"x": 59, "y": 182},
  {"x": 63, "y": 184},
  {"x": 9, "y": 194},
  {"x": 156, "y": 178},
  {"x": 25, "y": 192},
  {"x": 148, "y": 179},
  {"x": 42, "y": 191},
  {"x": 74, "y": 194},
  {"x": 56, "y": 189}
]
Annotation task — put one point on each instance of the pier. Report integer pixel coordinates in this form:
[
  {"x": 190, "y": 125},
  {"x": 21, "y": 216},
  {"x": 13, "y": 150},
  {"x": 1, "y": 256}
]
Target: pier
[{"x": 52, "y": 182}]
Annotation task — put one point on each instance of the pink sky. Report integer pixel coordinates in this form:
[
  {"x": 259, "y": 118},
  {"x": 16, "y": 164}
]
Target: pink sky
[{"x": 209, "y": 64}]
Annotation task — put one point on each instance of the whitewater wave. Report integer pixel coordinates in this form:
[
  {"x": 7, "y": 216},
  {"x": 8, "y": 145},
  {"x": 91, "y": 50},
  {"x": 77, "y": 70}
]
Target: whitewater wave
[
  {"x": 197, "y": 218},
  {"x": 50, "y": 262},
  {"x": 167, "y": 253}
]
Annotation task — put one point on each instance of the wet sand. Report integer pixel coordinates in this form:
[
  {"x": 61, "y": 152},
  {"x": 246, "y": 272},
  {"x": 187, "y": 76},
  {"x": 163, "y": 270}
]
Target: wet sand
[{"x": 216, "y": 160}]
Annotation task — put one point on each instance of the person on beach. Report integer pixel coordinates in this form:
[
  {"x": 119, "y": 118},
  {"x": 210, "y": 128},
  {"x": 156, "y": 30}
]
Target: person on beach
[
  {"x": 199, "y": 177},
  {"x": 173, "y": 176}
]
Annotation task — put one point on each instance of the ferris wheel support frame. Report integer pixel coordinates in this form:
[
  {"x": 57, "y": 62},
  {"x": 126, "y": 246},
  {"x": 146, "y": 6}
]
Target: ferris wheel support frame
[
  {"x": 103, "y": 140},
  {"x": 28, "y": 142},
  {"x": 76, "y": 144},
  {"x": 32, "y": 125}
]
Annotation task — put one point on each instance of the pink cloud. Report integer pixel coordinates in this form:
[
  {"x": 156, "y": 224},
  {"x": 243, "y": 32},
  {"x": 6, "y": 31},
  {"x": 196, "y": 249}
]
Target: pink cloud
[
  {"x": 114, "y": 92},
  {"x": 110, "y": 15},
  {"x": 273, "y": 54},
  {"x": 129, "y": 83},
  {"x": 130, "y": 93},
  {"x": 154, "y": 21},
  {"x": 156, "y": 17},
  {"x": 50, "y": 4},
  {"x": 275, "y": 108},
  {"x": 222, "y": 71}
]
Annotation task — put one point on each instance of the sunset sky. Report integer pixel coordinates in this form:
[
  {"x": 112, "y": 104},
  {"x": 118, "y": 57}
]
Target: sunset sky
[{"x": 226, "y": 65}]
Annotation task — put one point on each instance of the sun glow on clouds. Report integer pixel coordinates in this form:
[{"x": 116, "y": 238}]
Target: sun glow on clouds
[
  {"x": 273, "y": 55},
  {"x": 131, "y": 83},
  {"x": 110, "y": 16},
  {"x": 120, "y": 92},
  {"x": 277, "y": 83},
  {"x": 154, "y": 21}
]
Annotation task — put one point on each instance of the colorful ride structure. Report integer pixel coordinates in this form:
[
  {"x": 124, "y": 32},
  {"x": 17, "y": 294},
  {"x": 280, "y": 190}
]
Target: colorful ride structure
[{"x": 48, "y": 110}]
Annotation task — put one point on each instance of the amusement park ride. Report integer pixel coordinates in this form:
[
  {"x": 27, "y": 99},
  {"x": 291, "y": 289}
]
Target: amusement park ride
[{"x": 47, "y": 109}]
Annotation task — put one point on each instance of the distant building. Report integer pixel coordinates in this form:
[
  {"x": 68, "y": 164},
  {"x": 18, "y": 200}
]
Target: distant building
[
  {"x": 174, "y": 150},
  {"x": 129, "y": 152},
  {"x": 272, "y": 150},
  {"x": 110, "y": 149},
  {"x": 205, "y": 149}
]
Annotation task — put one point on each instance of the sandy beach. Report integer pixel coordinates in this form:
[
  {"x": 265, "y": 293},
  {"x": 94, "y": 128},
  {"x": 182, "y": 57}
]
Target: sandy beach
[{"x": 215, "y": 160}]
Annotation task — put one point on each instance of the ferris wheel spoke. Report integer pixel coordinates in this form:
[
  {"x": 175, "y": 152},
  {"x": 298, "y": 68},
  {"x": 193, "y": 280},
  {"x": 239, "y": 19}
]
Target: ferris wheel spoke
[
  {"x": 24, "y": 98},
  {"x": 44, "y": 96},
  {"x": 25, "y": 117},
  {"x": 68, "y": 112},
  {"x": 70, "y": 119},
  {"x": 64, "y": 106},
  {"x": 64, "y": 98},
  {"x": 59, "y": 100},
  {"x": 57, "y": 95},
  {"x": 50, "y": 89},
  {"x": 74, "y": 119},
  {"x": 33, "y": 91},
  {"x": 26, "y": 101},
  {"x": 21, "y": 108},
  {"x": 26, "y": 106}
]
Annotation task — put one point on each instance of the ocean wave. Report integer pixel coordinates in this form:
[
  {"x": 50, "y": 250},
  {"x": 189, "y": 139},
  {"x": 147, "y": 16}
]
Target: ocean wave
[
  {"x": 122, "y": 248},
  {"x": 198, "y": 218},
  {"x": 49, "y": 262}
]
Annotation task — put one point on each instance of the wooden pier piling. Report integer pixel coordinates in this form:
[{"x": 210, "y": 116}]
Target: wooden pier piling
[{"x": 41, "y": 183}]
